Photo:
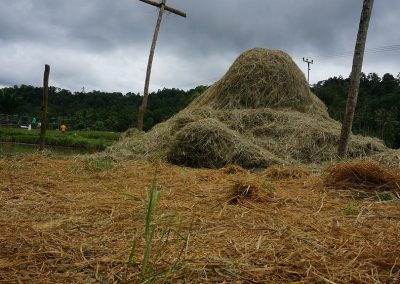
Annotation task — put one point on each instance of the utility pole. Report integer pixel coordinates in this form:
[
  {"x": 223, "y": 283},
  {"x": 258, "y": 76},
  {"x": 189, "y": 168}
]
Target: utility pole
[
  {"x": 43, "y": 118},
  {"x": 163, "y": 7},
  {"x": 355, "y": 78},
  {"x": 308, "y": 65}
]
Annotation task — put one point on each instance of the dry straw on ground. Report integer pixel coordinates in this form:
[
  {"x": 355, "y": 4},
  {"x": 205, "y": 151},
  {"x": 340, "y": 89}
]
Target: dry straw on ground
[
  {"x": 260, "y": 113},
  {"x": 285, "y": 172},
  {"x": 68, "y": 223}
]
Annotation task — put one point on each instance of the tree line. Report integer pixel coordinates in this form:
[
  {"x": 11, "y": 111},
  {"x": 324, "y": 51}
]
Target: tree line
[
  {"x": 378, "y": 109},
  {"x": 377, "y": 113},
  {"x": 96, "y": 110}
]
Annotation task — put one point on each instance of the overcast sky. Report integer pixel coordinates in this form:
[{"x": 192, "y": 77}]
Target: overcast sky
[{"x": 104, "y": 44}]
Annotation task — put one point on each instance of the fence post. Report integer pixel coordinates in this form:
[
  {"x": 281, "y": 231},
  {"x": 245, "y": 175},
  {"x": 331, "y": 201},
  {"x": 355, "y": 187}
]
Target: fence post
[{"x": 43, "y": 119}]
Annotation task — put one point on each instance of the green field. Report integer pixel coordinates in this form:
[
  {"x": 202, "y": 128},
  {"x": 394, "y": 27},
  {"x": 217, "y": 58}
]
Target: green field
[{"x": 88, "y": 140}]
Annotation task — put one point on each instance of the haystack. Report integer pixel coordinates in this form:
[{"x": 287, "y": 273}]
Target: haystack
[
  {"x": 262, "y": 78},
  {"x": 260, "y": 113}
]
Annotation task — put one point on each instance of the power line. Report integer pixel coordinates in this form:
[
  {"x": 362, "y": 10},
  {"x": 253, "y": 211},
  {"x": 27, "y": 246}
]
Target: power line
[
  {"x": 370, "y": 50},
  {"x": 335, "y": 55}
]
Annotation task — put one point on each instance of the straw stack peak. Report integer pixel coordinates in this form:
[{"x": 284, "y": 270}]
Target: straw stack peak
[{"x": 262, "y": 78}]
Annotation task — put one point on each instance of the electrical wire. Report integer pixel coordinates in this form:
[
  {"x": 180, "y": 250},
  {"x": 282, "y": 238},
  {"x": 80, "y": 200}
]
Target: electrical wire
[{"x": 337, "y": 55}]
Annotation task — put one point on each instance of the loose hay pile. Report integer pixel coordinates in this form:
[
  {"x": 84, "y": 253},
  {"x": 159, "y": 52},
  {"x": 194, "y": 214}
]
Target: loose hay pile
[
  {"x": 260, "y": 113},
  {"x": 210, "y": 143},
  {"x": 245, "y": 191},
  {"x": 365, "y": 175}
]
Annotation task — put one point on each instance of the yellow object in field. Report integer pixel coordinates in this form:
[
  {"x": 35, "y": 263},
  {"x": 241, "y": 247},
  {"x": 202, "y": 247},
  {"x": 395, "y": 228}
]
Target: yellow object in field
[{"x": 63, "y": 128}]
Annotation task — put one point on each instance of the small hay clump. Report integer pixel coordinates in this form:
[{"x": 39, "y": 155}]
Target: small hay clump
[
  {"x": 260, "y": 113},
  {"x": 363, "y": 175},
  {"x": 242, "y": 191}
]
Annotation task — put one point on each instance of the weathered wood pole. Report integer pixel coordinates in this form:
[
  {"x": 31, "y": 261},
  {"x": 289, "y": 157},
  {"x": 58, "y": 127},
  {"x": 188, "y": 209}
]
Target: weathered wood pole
[
  {"x": 45, "y": 101},
  {"x": 163, "y": 7},
  {"x": 143, "y": 107},
  {"x": 355, "y": 78}
]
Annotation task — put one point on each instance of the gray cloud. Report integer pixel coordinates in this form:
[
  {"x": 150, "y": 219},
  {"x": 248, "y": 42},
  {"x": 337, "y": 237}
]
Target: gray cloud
[{"x": 104, "y": 44}]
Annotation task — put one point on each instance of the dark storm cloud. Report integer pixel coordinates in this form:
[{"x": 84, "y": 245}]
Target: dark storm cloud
[
  {"x": 91, "y": 23},
  {"x": 293, "y": 25},
  {"x": 103, "y": 44}
]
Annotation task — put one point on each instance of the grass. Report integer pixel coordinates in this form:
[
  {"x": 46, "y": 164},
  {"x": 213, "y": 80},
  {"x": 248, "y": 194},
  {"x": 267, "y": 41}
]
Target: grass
[
  {"x": 89, "y": 140},
  {"x": 350, "y": 210},
  {"x": 157, "y": 231},
  {"x": 386, "y": 196},
  {"x": 157, "y": 234},
  {"x": 97, "y": 164}
]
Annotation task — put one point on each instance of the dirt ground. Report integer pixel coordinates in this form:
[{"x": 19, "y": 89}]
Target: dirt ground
[{"x": 62, "y": 221}]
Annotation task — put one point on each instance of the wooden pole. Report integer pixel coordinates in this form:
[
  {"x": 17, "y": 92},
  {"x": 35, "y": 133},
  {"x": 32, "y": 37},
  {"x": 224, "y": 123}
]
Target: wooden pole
[
  {"x": 355, "y": 78},
  {"x": 143, "y": 107},
  {"x": 163, "y": 7},
  {"x": 43, "y": 118},
  {"x": 166, "y": 8},
  {"x": 308, "y": 68}
]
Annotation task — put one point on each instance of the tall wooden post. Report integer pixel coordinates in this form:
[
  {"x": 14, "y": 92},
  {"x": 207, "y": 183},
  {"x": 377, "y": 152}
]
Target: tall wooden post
[
  {"x": 163, "y": 7},
  {"x": 43, "y": 118},
  {"x": 355, "y": 78},
  {"x": 308, "y": 68}
]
